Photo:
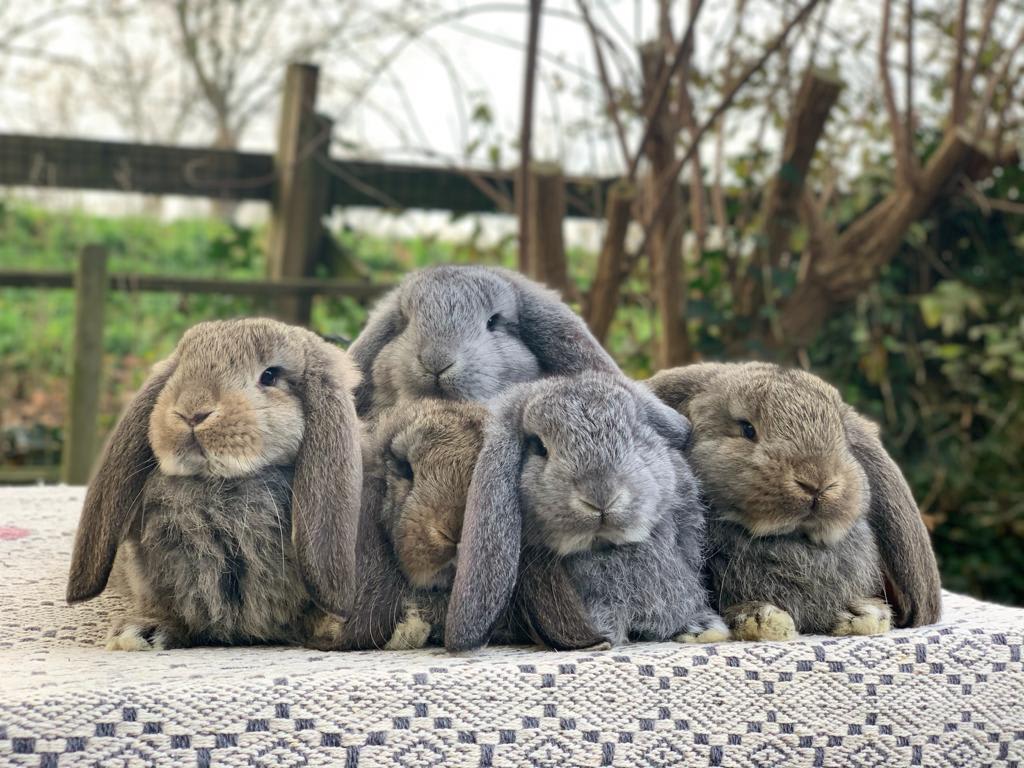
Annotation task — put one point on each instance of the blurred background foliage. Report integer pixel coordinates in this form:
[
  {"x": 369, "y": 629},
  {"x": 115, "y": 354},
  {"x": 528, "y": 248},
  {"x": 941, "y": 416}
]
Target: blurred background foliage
[{"x": 934, "y": 351}]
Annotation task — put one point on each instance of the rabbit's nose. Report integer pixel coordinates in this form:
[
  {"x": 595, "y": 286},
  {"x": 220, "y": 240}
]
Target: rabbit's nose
[
  {"x": 816, "y": 490},
  {"x": 435, "y": 364},
  {"x": 811, "y": 489},
  {"x": 197, "y": 417},
  {"x": 598, "y": 502}
]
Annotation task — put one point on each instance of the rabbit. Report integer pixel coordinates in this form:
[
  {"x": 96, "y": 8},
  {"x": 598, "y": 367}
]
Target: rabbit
[
  {"x": 467, "y": 333},
  {"x": 811, "y": 523},
  {"x": 418, "y": 462},
  {"x": 588, "y": 472},
  {"x": 228, "y": 493}
]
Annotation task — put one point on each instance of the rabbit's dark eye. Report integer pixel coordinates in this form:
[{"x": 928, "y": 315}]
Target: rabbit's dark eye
[
  {"x": 400, "y": 467},
  {"x": 270, "y": 376},
  {"x": 536, "y": 446},
  {"x": 492, "y": 321},
  {"x": 747, "y": 430}
]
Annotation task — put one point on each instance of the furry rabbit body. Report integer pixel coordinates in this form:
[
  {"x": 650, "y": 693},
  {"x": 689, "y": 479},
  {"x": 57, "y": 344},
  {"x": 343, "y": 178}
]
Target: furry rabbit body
[
  {"x": 586, "y": 474},
  {"x": 811, "y": 521},
  {"x": 214, "y": 564},
  {"x": 228, "y": 493}
]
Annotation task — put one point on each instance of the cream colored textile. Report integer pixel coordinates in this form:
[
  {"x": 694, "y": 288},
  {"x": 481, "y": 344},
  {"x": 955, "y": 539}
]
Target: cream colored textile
[{"x": 951, "y": 694}]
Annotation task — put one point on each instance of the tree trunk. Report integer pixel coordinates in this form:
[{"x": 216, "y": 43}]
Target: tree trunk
[
  {"x": 780, "y": 211},
  {"x": 604, "y": 293},
  {"x": 668, "y": 279},
  {"x": 837, "y": 275}
]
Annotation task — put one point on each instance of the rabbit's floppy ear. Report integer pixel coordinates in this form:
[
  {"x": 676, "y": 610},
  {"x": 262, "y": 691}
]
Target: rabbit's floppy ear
[
  {"x": 328, "y": 477},
  {"x": 488, "y": 556},
  {"x": 380, "y": 590},
  {"x": 556, "y": 335},
  {"x": 112, "y": 500},
  {"x": 667, "y": 422},
  {"x": 384, "y": 324},
  {"x": 550, "y": 605},
  {"x": 676, "y": 387},
  {"x": 912, "y": 576}
]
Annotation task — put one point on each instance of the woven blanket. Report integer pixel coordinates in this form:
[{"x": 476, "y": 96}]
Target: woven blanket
[{"x": 947, "y": 695}]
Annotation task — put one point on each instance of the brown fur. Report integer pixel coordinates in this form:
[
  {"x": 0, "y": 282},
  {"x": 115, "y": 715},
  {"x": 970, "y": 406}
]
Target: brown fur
[
  {"x": 808, "y": 440},
  {"x": 410, "y": 527}
]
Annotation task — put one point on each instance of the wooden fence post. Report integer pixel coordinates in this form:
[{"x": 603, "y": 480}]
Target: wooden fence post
[
  {"x": 86, "y": 366},
  {"x": 545, "y": 246},
  {"x": 301, "y": 189}
]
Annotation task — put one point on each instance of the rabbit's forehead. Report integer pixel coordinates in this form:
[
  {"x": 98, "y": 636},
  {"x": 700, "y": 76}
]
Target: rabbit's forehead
[
  {"x": 792, "y": 405},
  {"x": 237, "y": 349},
  {"x": 442, "y": 428},
  {"x": 444, "y": 297},
  {"x": 583, "y": 417},
  {"x": 448, "y": 439}
]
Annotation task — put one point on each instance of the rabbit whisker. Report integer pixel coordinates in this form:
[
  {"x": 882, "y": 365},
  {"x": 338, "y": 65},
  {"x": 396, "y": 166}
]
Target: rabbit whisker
[
  {"x": 734, "y": 557},
  {"x": 280, "y": 523}
]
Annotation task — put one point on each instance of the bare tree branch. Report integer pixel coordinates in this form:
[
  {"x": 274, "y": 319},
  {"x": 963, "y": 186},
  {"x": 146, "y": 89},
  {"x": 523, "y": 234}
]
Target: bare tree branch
[
  {"x": 988, "y": 17},
  {"x": 654, "y": 105},
  {"x": 999, "y": 76},
  {"x": 901, "y": 151},
  {"x": 670, "y": 177},
  {"x": 908, "y": 96},
  {"x": 602, "y": 70},
  {"x": 526, "y": 132},
  {"x": 959, "y": 61}
]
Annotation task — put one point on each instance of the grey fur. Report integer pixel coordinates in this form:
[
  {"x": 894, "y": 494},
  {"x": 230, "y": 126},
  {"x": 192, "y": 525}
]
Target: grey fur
[
  {"x": 438, "y": 317},
  {"x": 613, "y": 503},
  {"x": 814, "y": 583},
  {"x": 768, "y": 542},
  {"x": 229, "y": 469}
]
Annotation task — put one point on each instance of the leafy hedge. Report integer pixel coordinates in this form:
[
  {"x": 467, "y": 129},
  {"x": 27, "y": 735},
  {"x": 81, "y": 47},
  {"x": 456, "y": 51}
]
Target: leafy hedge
[{"x": 934, "y": 352}]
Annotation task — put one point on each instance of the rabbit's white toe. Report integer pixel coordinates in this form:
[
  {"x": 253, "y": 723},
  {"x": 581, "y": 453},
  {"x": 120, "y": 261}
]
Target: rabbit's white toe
[
  {"x": 132, "y": 637},
  {"x": 412, "y": 633},
  {"x": 762, "y": 622},
  {"x": 713, "y": 630},
  {"x": 866, "y": 617}
]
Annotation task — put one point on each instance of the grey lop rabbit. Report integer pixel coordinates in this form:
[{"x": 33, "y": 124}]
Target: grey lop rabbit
[
  {"x": 418, "y": 463},
  {"x": 812, "y": 524},
  {"x": 588, "y": 472},
  {"x": 467, "y": 333},
  {"x": 229, "y": 493}
]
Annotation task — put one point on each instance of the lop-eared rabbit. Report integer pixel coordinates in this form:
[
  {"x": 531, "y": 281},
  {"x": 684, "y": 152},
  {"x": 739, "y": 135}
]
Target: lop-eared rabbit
[
  {"x": 813, "y": 527},
  {"x": 229, "y": 493}
]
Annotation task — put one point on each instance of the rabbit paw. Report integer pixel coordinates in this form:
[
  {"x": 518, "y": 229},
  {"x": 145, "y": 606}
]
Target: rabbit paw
[
  {"x": 325, "y": 633},
  {"x": 760, "y": 621},
  {"x": 137, "y": 636},
  {"x": 865, "y": 617},
  {"x": 412, "y": 633},
  {"x": 707, "y": 629}
]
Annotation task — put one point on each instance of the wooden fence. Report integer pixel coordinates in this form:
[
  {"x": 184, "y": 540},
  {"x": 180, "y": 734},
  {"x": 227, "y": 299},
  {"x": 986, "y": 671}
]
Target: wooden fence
[{"x": 301, "y": 182}]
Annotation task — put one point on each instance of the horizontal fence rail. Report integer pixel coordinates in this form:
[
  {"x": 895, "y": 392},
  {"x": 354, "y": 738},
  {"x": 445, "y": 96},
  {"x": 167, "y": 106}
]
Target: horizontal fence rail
[
  {"x": 154, "y": 169},
  {"x": 18, "y": 278}
]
